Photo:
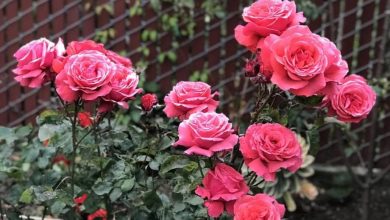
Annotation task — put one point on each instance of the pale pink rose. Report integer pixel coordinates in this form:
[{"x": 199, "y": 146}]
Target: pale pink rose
[
  {"x": 258, "y": 207},
  {"x": 267, "y": 148},
  {"x": 221, "y": 188},
  {"x": 34, "y": 62},
  {"x": 124, "y": 86},
  {"x": 187, "y": 98},
  {"x": 206, "y": 133},
  {"x": 266, "y": 17},
  {"x": 86, "y": 75},
  {"x": 351, "y": 100},
  {"x": 302, "y": 62}
]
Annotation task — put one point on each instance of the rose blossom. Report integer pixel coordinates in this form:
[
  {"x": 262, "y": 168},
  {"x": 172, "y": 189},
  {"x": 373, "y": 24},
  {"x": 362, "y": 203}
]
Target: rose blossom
[
  {"x": 76, "y": 47},
  {"x": 351, "y": 100},
  {"x": 266, "y": 17},
  {"x": 221, "y": 188},
  {"x": 187, "y": 98},
  {"x": 206, "y": 133},
  {"x": 302, "y": 62},
  {"x": 86, "y": 75},
  {"x": 267, "y": 148},
  {"x": 148, "y": 101},
  {"x": 124, "y": 86},
  {"x": 34, "y": 61},
  {"x": 258, "y": 207}
]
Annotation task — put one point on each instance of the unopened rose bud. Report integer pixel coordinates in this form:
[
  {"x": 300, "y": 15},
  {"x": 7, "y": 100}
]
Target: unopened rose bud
[
  {"x": 85, "y": 119},
  {"x": 308, "y": 190},
  {"x": 148, "y": 101}
]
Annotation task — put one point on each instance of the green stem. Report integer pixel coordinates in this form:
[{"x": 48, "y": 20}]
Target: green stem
[
  {"x": 44, "y": 213},
  {"x": 1, "y": 209},
  {"x": 252, "y": 179},
  {"x": 74, "y": 145},
  {"x": 199, "y": 167}
]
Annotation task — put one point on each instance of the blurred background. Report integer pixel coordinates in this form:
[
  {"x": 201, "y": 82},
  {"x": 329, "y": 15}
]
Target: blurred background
[{"x": 174, "y": 40}]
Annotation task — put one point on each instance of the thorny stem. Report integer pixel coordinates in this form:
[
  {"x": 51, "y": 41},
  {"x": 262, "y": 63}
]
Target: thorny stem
[{"x": 261, "y": 101}]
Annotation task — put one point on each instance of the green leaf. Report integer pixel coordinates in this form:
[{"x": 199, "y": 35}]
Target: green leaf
[
  {"x": 144, "y": 35},
  {"x": 128, "y": 185},
  {"x": 26, "y": 196},
  {"x": 172, "y": 56},
  {"x": 156, "y": 5},
  {"x": 154, "y": 165},
  {"x": 44, "y": 193},
  {"x": 22, "y": 132},
  {"x": 47, "y": 131},
  {"x": 195, "y": 200},
  {"x": 58, "y": 207},
  {"x": 178, "y": 207},
  {"x": 115, "y": 194},
  {"x": 102, "y": 188},
  {"x": 152, "y": 200},
  {"x": 173, "y": 162},
  {"x": 153, "y": 35},
  {"x": 7, "y": 134},
  {"x": 165, "y": 143},
  {"x": 161, "y": 57}
]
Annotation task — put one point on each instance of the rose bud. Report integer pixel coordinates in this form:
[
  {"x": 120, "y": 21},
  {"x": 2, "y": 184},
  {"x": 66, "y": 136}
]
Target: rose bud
[
  {"x": 148, "y": 101},
  {"x": 85, "y": 119}
]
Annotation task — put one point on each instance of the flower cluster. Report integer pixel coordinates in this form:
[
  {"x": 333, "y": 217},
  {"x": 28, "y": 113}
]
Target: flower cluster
[
  {"x": 266, "y": 149},
  {"x": 85, "y": 71},
  {"x": 288, "y": 55},
  {"x": 301, "y": 62},
  {"x": 285, "y": 54}
]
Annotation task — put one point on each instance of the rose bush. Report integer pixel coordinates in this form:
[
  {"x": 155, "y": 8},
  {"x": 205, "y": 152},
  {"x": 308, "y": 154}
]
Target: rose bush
[{"x": 90, "y": 161}]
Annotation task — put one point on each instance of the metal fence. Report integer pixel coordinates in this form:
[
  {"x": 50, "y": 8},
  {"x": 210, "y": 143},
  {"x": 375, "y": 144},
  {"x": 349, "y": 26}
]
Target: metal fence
[{"x": 359, "y": 28}]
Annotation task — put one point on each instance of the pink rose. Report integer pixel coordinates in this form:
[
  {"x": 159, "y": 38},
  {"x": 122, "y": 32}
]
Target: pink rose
[
  {"x": 86, "y": 75},
  {"x": 221, "y": 188},
  {"x": 302, "y": 62},
  {"x": 34, "y": 62},
  {"x": 258, "y": 207},
  {"x": 267, "y": 148},
  {"x": 187, "y": 98},
  {"x": 76, "y": 47},
  {"x": 351, "y": 100},
  {"x": 206, "y": 133},
  {"x": 266, "y": 17},
  {"x": 124, "y": 86}
]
